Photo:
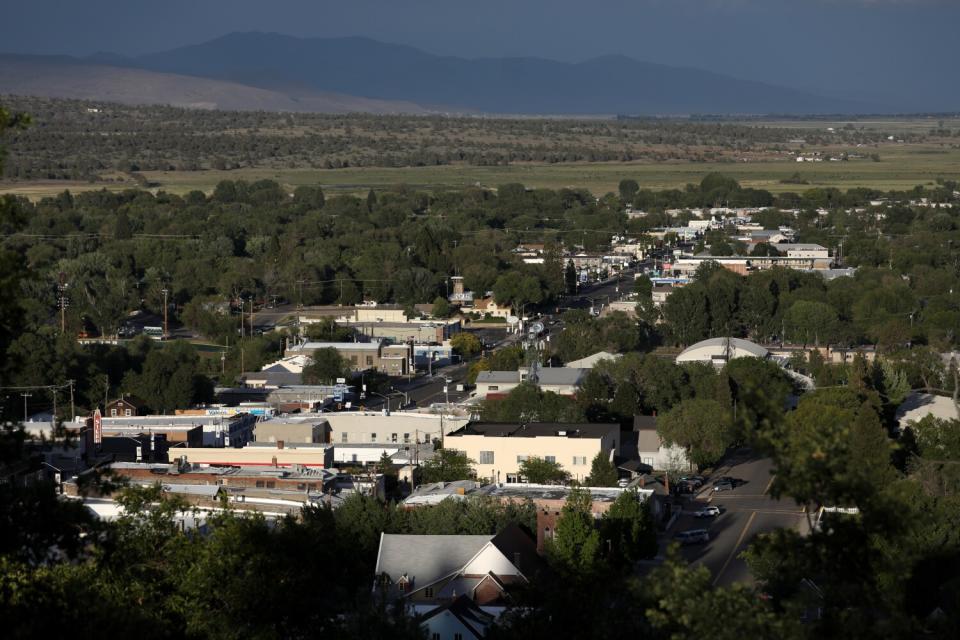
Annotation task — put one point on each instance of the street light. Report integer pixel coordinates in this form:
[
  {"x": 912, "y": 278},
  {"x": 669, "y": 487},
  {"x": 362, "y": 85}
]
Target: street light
[
  {"x": 386, "y": 399},
  {"x": 406, "y": 398}
]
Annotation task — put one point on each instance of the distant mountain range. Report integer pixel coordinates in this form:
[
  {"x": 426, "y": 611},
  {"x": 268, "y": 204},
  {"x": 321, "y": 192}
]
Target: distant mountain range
[{"x": 278, "y": 72}]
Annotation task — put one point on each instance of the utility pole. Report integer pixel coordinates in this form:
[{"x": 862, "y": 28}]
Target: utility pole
[
  {"x": 62, "y": 300},
  {"x": 54, "y": 405},
  {"x": 25, "y": 395},
  {"x": 106, "y": 392},
  {"x": 73, "y": 414},
  {"x": 251, "y": 316},
  {"x": 166, "y": 331}
]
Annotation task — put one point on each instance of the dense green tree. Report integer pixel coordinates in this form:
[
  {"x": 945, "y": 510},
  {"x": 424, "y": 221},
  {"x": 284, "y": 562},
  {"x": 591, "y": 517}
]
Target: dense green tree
[
  {"x": 602, "y": 472},
  {"x": 326, "y": 365},
  {"x": 170, "y": 379},
  {"x": 699, "y": 425},
  {"x": 628, "y": 530},
  {"x": 447, "y": 465},
  {"x": 465, "y": 344},
  {"x": 576, "y": 545},
  {"x": 542, "y": 471}
]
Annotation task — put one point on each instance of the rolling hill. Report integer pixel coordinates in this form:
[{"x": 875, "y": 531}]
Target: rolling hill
[{"x": 64, "y": 77}]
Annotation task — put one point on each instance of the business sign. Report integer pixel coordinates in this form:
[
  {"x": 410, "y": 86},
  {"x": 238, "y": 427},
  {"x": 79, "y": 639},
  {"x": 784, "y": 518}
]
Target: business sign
[{"x": 97, "y": 427}]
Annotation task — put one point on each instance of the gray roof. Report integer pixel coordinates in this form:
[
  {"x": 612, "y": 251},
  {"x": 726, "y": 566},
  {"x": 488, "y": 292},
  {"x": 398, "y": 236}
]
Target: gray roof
[
  {"x": 498, "y": 376},
  {"x": 425, "y": 559},
  {"x": 560, "y": 375},
  {"x": 352, "y": 346}
]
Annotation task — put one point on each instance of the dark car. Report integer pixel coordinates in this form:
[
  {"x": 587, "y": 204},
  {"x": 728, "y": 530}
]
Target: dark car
[{"x": 723, "y": 486}]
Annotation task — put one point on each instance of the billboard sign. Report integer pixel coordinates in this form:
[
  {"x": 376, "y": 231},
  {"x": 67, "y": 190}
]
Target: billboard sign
[{"x": 97, "y": 427}]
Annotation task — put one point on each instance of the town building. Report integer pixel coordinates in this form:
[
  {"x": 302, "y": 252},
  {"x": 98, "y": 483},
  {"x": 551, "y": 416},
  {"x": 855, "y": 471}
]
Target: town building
[
  {"x": 394, "y": 360},
  {"x": 398, "y": 427},
  {"x": 191, "y": 430},
  {"x": 652, "y": 451},
  {"x": 563, "y": 381},
  {"x": 498, "y": 450},
  {"x": 487, "y": 306},
  {"x": 124, "y": 407},
  {"x": 263, "y": 454},
  {"x": 719, "y": 351},
  {"x": 459, "y": 619},
  {"x": 591, "y": 361},
  {"x": 292, "y": 431}
]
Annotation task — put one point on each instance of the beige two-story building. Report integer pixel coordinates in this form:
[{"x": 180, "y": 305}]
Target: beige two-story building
[{"x": 498, "y": 449}]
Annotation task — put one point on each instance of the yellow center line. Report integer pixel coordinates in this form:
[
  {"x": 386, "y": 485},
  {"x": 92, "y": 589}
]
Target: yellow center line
[
  {"x": 733, "y": 551},
  {"x": 769, "y": 484}
]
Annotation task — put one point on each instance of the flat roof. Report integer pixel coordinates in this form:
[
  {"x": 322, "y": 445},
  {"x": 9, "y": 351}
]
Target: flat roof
[
  {"x": 534, "y": 430},
  {"x": 356, "y": 346}
]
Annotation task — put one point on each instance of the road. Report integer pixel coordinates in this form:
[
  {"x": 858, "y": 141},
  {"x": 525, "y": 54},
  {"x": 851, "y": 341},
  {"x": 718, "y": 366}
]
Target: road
[{"x": 746, "y": 511}]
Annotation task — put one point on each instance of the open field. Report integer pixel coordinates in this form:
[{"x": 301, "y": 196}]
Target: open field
[{"x": 900, "y": 167}]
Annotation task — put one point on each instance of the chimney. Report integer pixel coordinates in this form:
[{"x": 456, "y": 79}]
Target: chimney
[
  {"x": 273, "y": 461},
  {"x": 279, "y": 444}
]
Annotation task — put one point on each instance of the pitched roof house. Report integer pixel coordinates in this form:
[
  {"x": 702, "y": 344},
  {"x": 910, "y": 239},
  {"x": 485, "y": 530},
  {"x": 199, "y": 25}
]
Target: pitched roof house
[{"x": 432, "y": 569}]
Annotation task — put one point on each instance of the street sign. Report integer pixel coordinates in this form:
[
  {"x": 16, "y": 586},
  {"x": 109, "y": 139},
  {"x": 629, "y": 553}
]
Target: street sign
[{"x": 341, "y": 380}]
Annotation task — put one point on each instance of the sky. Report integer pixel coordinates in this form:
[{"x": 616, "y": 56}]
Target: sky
[{"x": 905, "y": 51}]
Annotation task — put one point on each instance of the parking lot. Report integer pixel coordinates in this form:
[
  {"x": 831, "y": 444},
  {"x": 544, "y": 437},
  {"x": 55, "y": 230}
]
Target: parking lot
[{"x": 745, "y": 511}]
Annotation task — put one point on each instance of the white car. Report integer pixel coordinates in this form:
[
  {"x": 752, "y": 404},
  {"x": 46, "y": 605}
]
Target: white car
[{"x": 707, "y": 512}]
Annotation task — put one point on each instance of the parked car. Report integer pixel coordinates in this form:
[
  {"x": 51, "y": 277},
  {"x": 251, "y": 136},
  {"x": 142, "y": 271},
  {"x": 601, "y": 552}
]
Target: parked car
[
  {"x": 723, "y": 486},
  {"x": 623, "y": 482},
  {"x": 692, "y": 536},
  {"x": 695, "y": 480},
  {"x": 707, "y": 512},
  {"x": 734, "y": 481}
]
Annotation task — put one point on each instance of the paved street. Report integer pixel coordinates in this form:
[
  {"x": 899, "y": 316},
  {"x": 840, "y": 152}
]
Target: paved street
[{"x": 745, "y": 512}]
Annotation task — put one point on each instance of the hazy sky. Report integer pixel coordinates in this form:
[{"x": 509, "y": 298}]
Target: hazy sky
[{"x": 851, "y": 48}]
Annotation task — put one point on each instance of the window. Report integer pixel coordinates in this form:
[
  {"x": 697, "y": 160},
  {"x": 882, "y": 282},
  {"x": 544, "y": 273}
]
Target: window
[
  {"x": 271, "y": 484},
  {"x": 259, "y": 484},
  {"x": 301, "y": 486},
  {"x": 127, "y": 412},
  {"x": 435, "y": 636},
  {"x": 393, "y": 437},
  {"x": 521, "y": 459},
  {"x": 579, "y": 460},
  {"x": 458, "y": 636},
  {"x": 113, "y": 413},
  {"x": 512, "y": 477},
  {"x": 353, "y": 360},
  {"x": 493, "y": 387},
  {"x": 550, "y": 458},
  {"x": 373, "y": 437},
  {"x": 369, "y": 361},
  {"x": 406, "y": 437},
  {"x": 428, "y": 592},
  {"x": 486, "y": 457},
  {"x": 343, "y": 437}
]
